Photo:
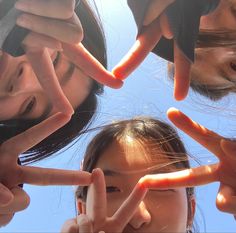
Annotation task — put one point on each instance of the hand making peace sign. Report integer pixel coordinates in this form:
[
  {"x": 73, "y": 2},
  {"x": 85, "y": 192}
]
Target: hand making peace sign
[
  {"x": 96, "y": 219},
  {"x": 223, "y": 172},
  {"x": 12, "y": 197}
]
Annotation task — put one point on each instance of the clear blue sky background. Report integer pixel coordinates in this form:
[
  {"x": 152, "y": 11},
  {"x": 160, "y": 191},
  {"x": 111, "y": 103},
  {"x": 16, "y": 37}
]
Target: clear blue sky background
[{"x": 146, "y": 92}]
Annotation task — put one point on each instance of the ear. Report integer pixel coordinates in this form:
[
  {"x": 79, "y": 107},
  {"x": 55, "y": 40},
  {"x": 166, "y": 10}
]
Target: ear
[{"x": 81, "y": 206}]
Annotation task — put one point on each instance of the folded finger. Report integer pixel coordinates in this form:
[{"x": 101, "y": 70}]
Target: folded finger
[
  {"x": 165, "y": 27},
  {"x": 202, "y": 135},
  {"x": 155, "y": 8},
  {"x": 226, "y": 199},
  {"x": 64, "y": 31},
  {"x": 5, "y": 219},
  {"x": 47, "y": 176},
  {"x": 145, "y": 43},
  {"x": 185, "y": 178},
  {"x": 84, "y": 223},
  {"x": 6, "y": 197},
  {"x": 43, "y": 67},
  {"x": 40, "y": 40},
  {"x": 96, "y": 207},
  {"x": 60, "y": 9},
  {"x": 20, "y": 202},
  {"x": 70, "y": 226},
  {"x": 129, "y": 206},
  {"x": 182, "y": 74},
  {"x": 33, "y": 136},
  {"x": 90, "y": 65}
]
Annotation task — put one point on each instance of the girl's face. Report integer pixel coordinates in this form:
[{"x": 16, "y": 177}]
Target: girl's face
[
  {"x": 161, "y": 210},
  {"x": 21, "y": 95},
  {"x": 215, "y": 67}
]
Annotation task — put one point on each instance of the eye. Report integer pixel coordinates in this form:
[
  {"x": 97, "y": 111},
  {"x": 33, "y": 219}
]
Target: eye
[
  {"x": 162, "y": 190},
  {"x": 29, "y": 107},
  {"x": 112, "y": 189},
  {"x": 56, "y": 59},
  {"x": 233, "y": 66}
]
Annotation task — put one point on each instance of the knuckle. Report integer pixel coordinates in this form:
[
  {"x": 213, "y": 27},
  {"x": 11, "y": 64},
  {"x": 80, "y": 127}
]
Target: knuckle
[
  {"x": 68, "y": 9},
  {"x": 222, "y": 205},
  {"x": 5, "y": 219},
  {"x": 83, "y": 220},
  {"x": 77, "y": 35}
]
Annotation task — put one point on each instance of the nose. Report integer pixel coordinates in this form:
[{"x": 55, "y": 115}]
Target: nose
[
  {"x": 23, "y": 80},
  {"x": 141, "y": 217}
]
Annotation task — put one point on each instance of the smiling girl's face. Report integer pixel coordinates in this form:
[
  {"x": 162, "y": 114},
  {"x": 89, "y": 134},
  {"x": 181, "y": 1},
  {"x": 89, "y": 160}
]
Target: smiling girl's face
[
  {"x": 124, "y": 162},
  {"x": 21, "y": 95}
]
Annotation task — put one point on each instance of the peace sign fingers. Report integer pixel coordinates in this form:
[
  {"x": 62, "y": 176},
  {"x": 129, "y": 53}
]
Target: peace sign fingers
[
  {"x": 123, "y": 215},
  {"x": 185, "y": 178},
  {"x": 48, "y": 176},
  {"x": 32, "y": 136},
  {"x": 202, "y": 135},
  {"x": 145, "y": 43}
]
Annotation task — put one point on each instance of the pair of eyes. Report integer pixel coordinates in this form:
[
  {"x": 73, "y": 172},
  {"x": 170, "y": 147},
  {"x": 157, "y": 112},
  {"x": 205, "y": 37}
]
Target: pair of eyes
[
  {"x": 33, "y": 101},
  {"x": 113, "y": 189}
]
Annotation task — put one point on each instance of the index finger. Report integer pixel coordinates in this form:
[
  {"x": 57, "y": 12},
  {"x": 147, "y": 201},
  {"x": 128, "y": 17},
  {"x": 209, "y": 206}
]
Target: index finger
[
  {"x": 202, "y": 135},
  {"x": 96, "y": 206},
  {"x": 44, "y": 70},
  {"x": 33, "y": 136},
  {"x": 145, "y": 43},
  {"x": 48, "y": 176},
  {"x": 129, "y": 206},
  {"x": 82, "y": 58},
  {"x": 185, "y": 178},
  {"x": 182, "y": 74}
]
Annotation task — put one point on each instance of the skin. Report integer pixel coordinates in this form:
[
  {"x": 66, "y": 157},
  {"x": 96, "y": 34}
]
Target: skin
[
  {"x": 217, "y": 66},
  {"x": 12, "y": 197},
  {"x": 19, "y": 86},
  {"x": 222, "y": 172},
  {"x": 153, "y": 213}
]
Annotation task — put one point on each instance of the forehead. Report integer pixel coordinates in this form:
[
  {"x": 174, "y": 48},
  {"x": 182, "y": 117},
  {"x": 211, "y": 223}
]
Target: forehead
[{"x": 130, "y": 155}]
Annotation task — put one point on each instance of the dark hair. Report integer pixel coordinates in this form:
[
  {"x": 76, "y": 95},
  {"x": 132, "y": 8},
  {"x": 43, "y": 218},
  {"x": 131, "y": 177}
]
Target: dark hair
[
  {"x": 212, "y": 92},
  {"x": 94, "y": 41},
  {"x": 152, "y": 134}
]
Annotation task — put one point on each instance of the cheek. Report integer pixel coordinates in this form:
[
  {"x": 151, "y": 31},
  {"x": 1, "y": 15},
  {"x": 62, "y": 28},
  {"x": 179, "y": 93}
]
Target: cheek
[
  {"x": 169, "y": 211},
  {"x": 114, "y": 201}
]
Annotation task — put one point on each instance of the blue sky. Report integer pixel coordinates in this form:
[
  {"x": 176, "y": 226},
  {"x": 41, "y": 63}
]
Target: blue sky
[{"x": 146, "y": 92}]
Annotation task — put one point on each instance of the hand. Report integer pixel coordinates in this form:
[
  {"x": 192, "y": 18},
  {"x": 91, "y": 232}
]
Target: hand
[
  {"x": 96, "y": 209},
  {"x": 55, "y": 25},
  {"x": 156, "y": 25},
  {"x": 13, "y": 198},
  {"x": 223, "y": 172}
]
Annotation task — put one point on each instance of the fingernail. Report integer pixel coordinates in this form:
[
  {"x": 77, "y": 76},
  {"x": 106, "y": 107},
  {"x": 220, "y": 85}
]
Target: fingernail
[{"x": 21, "y": 5}]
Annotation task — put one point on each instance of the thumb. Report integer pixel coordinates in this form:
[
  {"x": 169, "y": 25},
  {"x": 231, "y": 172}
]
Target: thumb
[
  {"x": 5, "y": 196},
  {"x": 84, "y": 223}
]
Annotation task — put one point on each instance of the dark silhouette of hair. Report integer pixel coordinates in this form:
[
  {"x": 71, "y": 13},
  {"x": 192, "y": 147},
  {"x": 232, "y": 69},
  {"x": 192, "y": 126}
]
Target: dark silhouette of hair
[{"x": 94, "y": 41}]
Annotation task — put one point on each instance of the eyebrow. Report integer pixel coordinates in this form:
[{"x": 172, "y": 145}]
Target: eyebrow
[{"x": 111, "y": 173}]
